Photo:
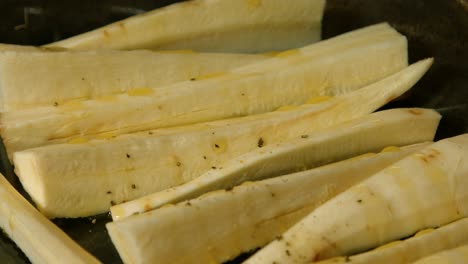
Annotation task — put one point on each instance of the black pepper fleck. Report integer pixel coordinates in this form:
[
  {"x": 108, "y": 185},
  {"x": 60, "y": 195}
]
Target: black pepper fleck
[
  {"x": 204, "y": 157},
  {"x": 178, "y": 164},
  {"x": 150, "y": 133},
  {"x": 288, "y": 253},
  {"x": 213, "y": 167},
  {"x": 260, "y": 142},
  {"x": 193, "y": 79},
  {"x": 109, "y": 192},
  {"x": 304, "y": 136},
  {"x": 55, "y": 104},
  {"x": 133, "y": 186},
  {"x": 359, "y": 201},
  {"x": 128, "y": 155},
  {"x": 216, "y": 146}
]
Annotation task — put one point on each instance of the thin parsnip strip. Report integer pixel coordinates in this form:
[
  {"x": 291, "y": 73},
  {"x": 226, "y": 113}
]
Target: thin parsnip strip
[
  {"x": 53, "y": 78},
  {"x": 212, "y": 25},
  {"x": 41, "y": 240},
  {"x": 424, "y": 243}
]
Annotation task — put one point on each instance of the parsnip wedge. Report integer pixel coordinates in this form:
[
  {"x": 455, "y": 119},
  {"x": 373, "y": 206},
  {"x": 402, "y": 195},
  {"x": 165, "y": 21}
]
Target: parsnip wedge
[
  {"x": 159, "y": 159},
  {"x": 38, "y": 238},
  {"x": 247, "y": 217},
  {"x": 422, "y": 244},
  {"x": 12, "y": 47},
  {"x": 212, "y": 25},
  {"x": 394, "y": 127},
  {"x": 457, "y": 255},
  {"x": 335, "y": 71},
  {"x": 426, "y": 189},
  {"x": 95, "y": 74}
]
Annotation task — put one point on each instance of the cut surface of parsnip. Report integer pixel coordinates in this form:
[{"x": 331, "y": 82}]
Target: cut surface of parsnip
[
  {"x": 212, "y": 25},
  {"x": 393, "y": 127},
  {"x": 422, "y": 244},
  {"x": 100, "y": 74},
  {"x": 426, "y": 189},
  {"x": 458, "y": 255},
  {"x": 246, "y": 217},
  {"x": 39, "y": 239},
  {"x": 155, "y": 160},
  {"x": 12, "y": 47},
  {"x": 338, "y": 68}
]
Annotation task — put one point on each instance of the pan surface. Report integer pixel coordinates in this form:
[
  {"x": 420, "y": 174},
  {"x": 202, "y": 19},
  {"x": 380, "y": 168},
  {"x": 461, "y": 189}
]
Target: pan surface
[{"x": 434, "y": 28}]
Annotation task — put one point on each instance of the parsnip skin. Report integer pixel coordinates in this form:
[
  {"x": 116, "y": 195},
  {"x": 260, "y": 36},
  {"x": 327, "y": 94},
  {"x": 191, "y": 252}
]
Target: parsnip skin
[
  {"x": 423, "y": 243},
  {"x": 395, "y": 127},
  {"x": 328, "y": 73},
  {"x": 457, "y": 255},
  {"x": 425, "y": 190},
  {"x": 41, "y": 240},
  {"x": 246, "y": 217},
  {"x": 211, "y": 25}
]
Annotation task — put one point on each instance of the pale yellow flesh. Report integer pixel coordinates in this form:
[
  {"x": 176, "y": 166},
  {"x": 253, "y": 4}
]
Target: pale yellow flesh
[
  {"x": 422, "y": 244},
  {"x": 426, "y": 189},
  {"x": 372, "y": 96},
  {"x": 37, "y": 237},
  {"x": 209, "y": 99},
  {"x": 212, "y": 25},
  {"x": 56, "y": 77},
  {"x": 457, "y": 255},
  {"x": 12, "y": 47},
  {"x": 396, "y": 127},
  {"x": 247, "y": 217},
  {"x": 164, "y": 158}
]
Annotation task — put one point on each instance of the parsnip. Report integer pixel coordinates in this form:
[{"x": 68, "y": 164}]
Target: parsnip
[
  {"x": 394, "y": 127},
  {"x": 227, "y": 223},
  {"x": 212, "y": 25},
  {"x": 422, "y": 244},
  {"x": 457, "y": 255},
  {"x": 427, "y": 189},
  {"x": 12, "y": 47},
  {"x": 38, "y": 238},
  {"x": 163, "y": 158},
  {"x": 56, "y": 77},
  {"x": 334, "y": 71}
]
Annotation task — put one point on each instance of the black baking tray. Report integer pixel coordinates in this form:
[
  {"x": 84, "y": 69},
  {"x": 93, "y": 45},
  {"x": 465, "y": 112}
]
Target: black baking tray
[{"x": 435, "y": 28}]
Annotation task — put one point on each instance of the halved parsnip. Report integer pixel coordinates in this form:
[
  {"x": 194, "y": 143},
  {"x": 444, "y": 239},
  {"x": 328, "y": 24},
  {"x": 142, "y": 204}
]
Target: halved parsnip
[
  {"x": 12, "y": 47},
  {"x": 227, "y": 223},
  {"x": 393, "y": 127},
  {"x": 426, "y": 189},
  {"x": 38, "y": 238},
  {"x": 422, "y": 244},
  {"x": 159, "y": 159},
  {"x": 238, "y": 93},
  {"x": 212, "y": 25},
  {"x": 457, "y": 255},
  {"x": 56, "y": 77}
]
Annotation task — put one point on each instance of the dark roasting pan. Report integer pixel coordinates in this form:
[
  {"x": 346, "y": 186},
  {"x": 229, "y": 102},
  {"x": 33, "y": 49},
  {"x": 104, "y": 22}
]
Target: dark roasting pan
[{"x": 437, "y": 28}]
